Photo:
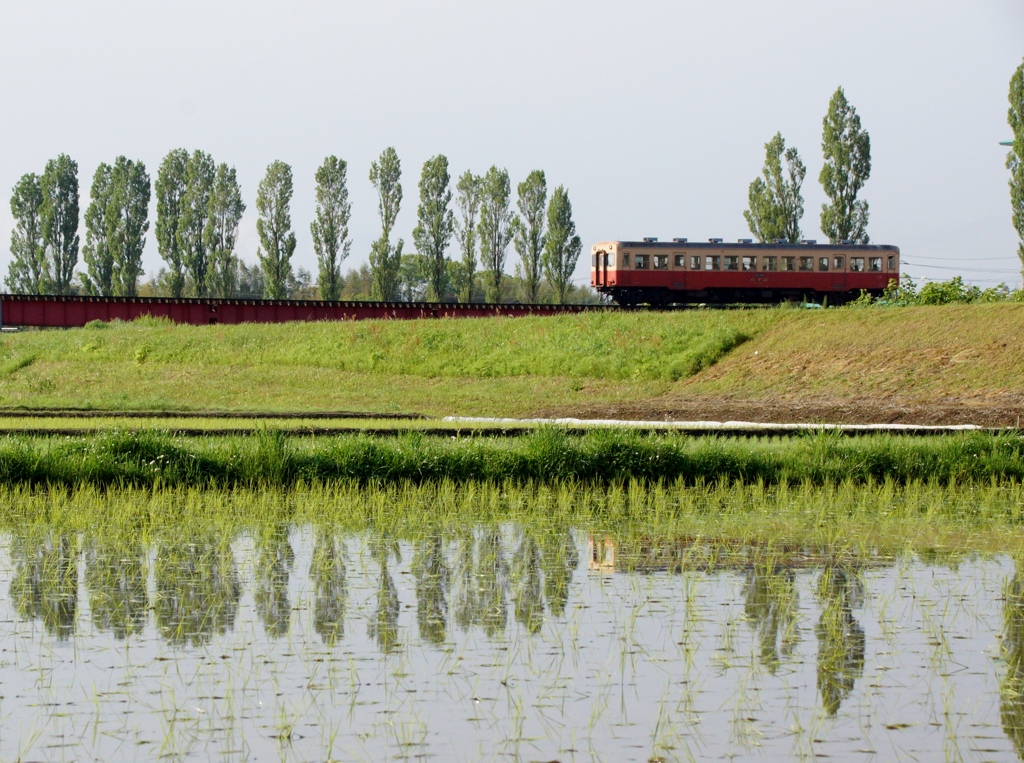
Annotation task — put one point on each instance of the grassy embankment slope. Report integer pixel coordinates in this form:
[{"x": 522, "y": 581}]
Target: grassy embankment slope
[{"x": 777, "y": 363}]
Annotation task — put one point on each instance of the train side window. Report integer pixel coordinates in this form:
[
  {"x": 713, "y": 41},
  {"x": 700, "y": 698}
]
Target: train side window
[
  {"x": 789, "y": 263},
  {"x": 640, "y": 262},
  {"x": 750, "y": 263},
  {"x": 875, "y": 264},
  {"x": 680, "y": 260},
  {"x": 770, "y": 263},
  {"x": 823, "y": 264},
  {"x": 857, "y": 264},
  {"x": 732, "y": 262},
  {"x": 892, "y": 262},
  {"x": 661, "y": 262},
  {"x": 711, "y": 262},
  {"x": 807, "y": 263},
  {"x": 694, "y": 262},
  {"x": 838, "y": 263}
]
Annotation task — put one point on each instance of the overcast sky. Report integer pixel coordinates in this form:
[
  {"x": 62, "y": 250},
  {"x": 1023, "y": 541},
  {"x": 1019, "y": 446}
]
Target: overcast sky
[{"x": 653, "y": 115}]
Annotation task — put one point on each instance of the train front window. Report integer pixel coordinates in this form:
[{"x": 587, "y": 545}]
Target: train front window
[
  {"x": 732, "y": 263},
  {"x": 857, "y": 264},
  {"x": 789, "y": 263},
  {"x": 661, "y": 262},
  {"x": 807, "y": 263},
  {"x": 694, "y": 262},
  {"x": 609, "y": 260},
  {"x": 750, "y": 263},
  {"x": 892, "y": 262},
  {"x": 680, "y": 260},
  {"x": 711, "y": 262},
  {"x": 640, "y": 262},
  {"x": 823, "y": 264},
  {"x": 593, "y": 261},
  {"x": 770, "y": 263},
  {"x": 838, "y": 263},
  {"x": 875, "y": 264}
]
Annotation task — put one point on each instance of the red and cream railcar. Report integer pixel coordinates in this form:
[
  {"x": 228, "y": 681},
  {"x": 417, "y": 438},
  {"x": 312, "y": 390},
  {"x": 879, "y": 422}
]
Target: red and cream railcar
[{"x": 679, "y": 272}]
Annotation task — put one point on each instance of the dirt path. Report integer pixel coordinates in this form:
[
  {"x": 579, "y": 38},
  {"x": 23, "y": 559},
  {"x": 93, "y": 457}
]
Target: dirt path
[{"x": 992, "y": 411}]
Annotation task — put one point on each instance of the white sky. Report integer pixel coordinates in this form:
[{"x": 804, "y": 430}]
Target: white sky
[{"x": 654, "y": 115}]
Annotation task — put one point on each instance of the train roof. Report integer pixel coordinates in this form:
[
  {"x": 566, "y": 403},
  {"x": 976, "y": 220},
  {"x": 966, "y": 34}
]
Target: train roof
[{"x": 808, "y": 245}]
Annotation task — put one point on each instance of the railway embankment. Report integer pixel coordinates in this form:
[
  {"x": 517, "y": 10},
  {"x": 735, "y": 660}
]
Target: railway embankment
[{"x": 920, "y": 365}]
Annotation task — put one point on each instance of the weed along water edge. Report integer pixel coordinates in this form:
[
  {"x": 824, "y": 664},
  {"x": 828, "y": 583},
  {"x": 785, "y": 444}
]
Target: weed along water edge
[{"x": 482, "y": 621}]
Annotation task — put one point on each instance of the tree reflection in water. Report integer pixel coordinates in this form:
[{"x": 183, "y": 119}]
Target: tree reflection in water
[
  {"x": 197, "y": 589},
  {"x": 559, "y": 559},
  {"x": 1011, "y": 688},
  {"x": 771, "y": 605},
  {"x": 274, "y": 560},
  {"x": 115, "y": 577},
  {"x": 529, "y": 603},
  {"x": 840, "y": 637},
  {"x": 45, "y": 582},
  {"x": 383, "y": 626},
  {"x": 430, "y": 571},
  {"x": 328, "y": 574}
]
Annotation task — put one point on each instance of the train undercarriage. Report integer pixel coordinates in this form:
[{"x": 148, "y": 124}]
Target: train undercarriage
[{"x": 728, "y": 296}]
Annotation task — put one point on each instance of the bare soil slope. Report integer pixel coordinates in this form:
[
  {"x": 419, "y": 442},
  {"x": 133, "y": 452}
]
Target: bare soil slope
[{"x": 926, "y": 365}]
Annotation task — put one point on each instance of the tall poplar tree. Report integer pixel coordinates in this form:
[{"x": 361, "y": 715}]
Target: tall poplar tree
[
  {"x": 495, "y": 228},
  {"x": 194, "y": 206},
  {"x": 1015, "y": 158},
  {"x": 99, "y": 262},
  {"x": 58, "y": 216},
  {"x": 529, "y": 231},
  {"x": 223, "y": 215},
  {"x": 170, "y": 187},
  {"x": 562, "y": 246},
  {"x": 274, "y": 226},
  {"x": 436, "y": 223},
  {"x": 128, "y": 222},
  {"x": 468, "y": 202},
  {"x": 775, "y": 203},
  {"x": 29, "y": 271},
  {"x": 385, "y": 259},
  {"x": 330, "y": 226},
  {"x": 847, "y": 149}
]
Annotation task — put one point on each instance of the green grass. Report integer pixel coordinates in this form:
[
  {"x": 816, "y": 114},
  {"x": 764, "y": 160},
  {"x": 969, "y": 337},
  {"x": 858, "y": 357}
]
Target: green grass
[
  {"x": 271, "y": 459},
  {"x": 707, "y": 524}
]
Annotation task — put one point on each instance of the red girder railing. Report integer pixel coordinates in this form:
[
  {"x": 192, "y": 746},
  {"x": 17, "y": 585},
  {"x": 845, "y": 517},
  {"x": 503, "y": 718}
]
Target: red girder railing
[{"x": 68, "y": 312}]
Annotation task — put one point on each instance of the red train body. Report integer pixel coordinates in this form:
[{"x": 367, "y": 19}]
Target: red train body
[{"x": 680, "y": 272}]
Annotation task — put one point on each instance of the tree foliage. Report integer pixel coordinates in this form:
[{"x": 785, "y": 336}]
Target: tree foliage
[
  {"x": 330, "y": 227},
  {"x": 1015, "y": 158},
  {"x": 385, "y": 259},
  {"x": 435, "y": 223},
  {"x": 562, "y": 246},
  {"x": 127, "y": 221},
  {"x": 29, "y": 271},
  {"x": 274, "y": 226},
  {"x": 99, "y": 276},
  {"x": 195, "y": 204},
  {"x": 468, "y": 202},
  {"x": 495, "y": 228},
  {"x": 58, "y": 216},
  {"x": 170, "y": 187},
  {"x": 224, "y": 213},
  {"x": 775, "y": 203},
  {"x": 847, "y": 149},
  {"x": 530, "y": 237}
]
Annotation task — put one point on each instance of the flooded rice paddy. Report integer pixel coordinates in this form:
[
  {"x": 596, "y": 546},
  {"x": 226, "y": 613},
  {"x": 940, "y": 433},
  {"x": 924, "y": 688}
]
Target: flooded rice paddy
[{"x": 495, "y": 641}]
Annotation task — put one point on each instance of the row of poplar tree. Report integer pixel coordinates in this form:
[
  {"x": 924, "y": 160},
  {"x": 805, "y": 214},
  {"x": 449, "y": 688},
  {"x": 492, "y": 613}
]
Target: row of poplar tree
[
  {"x": 775, "y": 204},
  {"x": 199, "y": 207}
]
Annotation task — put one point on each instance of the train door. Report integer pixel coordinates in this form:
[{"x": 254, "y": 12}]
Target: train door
[
  {"x": 839, "y": 273},
  {"x": 601, "y": 269}
]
